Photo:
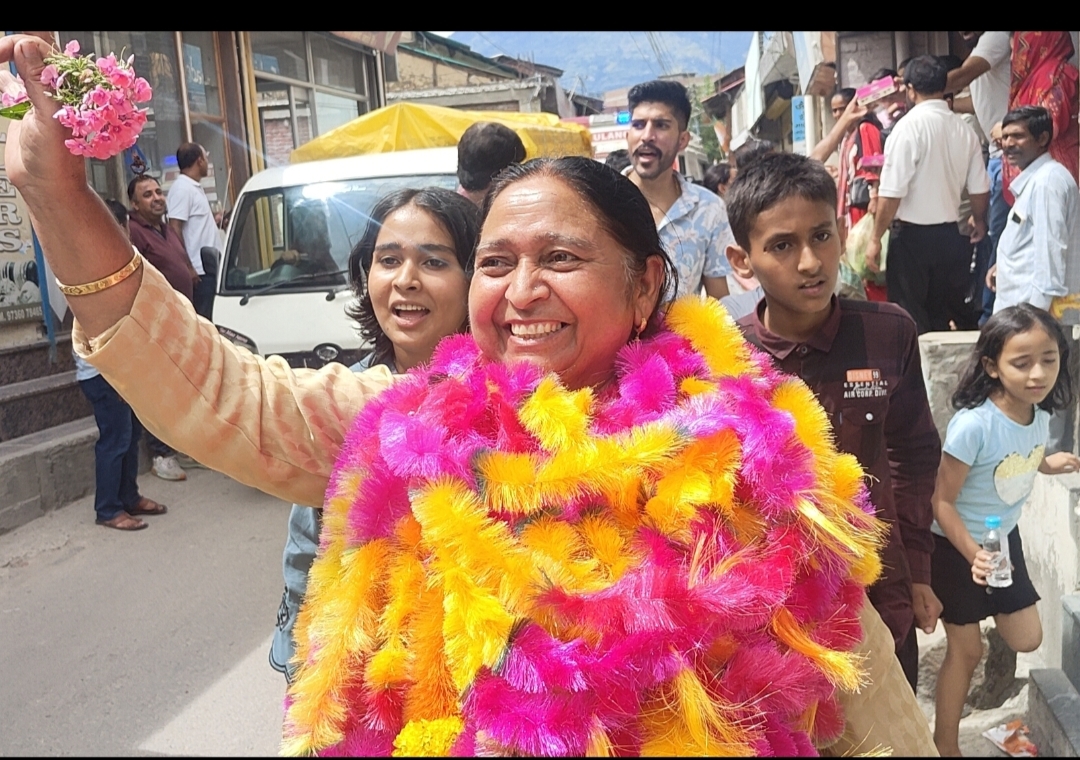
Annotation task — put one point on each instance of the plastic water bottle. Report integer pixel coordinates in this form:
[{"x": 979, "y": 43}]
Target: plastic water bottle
[{"x": 1001, "y": 575}]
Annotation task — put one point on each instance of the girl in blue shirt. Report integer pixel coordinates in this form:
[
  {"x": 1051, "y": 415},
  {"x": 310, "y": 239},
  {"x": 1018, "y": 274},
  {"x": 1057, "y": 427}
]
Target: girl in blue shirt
[{"x": 993, "y": 448}]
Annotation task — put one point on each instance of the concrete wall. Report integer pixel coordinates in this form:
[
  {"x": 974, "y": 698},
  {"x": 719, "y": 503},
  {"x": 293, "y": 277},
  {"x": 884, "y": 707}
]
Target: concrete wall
[
  {"x": 422, "y": 73},
  {"x": 1050, "y": 523},
  {"x": 860, "y": 54},
  {"x": 1050, "y": 526},
  {"x": 521, "y": 99}
]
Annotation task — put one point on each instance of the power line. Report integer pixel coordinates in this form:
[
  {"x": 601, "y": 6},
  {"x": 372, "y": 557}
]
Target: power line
[
  {"x": 661, "y": 40},
  {"x": 647, "y": 59},
  {"x": 665, "y": 67},
  {"x": 497, "y": 47}
]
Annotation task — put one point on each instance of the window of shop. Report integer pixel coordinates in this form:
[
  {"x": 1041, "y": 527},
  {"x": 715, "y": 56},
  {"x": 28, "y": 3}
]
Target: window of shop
[
  {"x": 184, "y": 73},
  {"x": 307, "y": 84}
]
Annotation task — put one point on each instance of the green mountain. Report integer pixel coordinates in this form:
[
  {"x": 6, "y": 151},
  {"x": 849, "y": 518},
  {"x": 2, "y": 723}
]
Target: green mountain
[{"x": 594, "y": 62}]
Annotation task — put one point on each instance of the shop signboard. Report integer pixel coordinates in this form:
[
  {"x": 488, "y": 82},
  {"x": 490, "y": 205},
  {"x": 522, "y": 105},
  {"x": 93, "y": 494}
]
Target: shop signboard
[{"x": 20, "y": 295}]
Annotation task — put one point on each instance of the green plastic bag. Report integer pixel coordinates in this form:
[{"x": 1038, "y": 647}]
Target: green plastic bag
[{"x": 857, "y": 241}]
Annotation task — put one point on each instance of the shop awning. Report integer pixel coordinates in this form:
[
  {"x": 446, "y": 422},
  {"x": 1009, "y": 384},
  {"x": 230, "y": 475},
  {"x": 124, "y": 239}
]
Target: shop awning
[{"x": 411, "y": 126}]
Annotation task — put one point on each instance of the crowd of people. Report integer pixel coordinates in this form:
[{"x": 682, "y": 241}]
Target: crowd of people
[{"x": 545, "y": 515}]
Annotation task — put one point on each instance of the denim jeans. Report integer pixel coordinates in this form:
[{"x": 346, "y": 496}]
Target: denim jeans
[
  {"x": 116, "y": 454},
  {"x": 997, "y": 218}
]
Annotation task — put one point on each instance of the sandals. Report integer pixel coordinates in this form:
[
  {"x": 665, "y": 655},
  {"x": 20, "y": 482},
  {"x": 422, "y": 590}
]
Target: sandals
[
  {"x": 147, "y": 506},
  {"x": 124, "y": 521}
]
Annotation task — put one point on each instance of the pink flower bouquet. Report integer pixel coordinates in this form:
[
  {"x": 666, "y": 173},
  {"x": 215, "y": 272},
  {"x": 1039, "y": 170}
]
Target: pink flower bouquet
[{"x": 98, "y": 100}]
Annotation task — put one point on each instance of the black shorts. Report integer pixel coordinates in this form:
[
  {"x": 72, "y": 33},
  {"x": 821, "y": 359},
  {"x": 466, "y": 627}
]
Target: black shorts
[{"x": 964, "y": 600}]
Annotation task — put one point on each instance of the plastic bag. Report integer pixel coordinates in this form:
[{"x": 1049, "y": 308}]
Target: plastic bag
[
  {"x": 857, "y": 241},
  {"x": 849, "y": 284}
]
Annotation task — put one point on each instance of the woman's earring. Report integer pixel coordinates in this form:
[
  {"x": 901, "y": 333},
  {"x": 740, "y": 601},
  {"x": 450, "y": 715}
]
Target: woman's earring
[{"x": 641, "y": 326}]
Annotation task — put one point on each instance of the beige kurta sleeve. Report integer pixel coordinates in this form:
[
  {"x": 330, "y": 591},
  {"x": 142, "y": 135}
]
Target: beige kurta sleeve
[
  {"x": 257, "y": 420},
  {"x": 885, "y": 714}
]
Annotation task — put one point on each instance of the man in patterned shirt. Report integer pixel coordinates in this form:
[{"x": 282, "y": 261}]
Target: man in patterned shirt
[{"x": 692, "y": 221}]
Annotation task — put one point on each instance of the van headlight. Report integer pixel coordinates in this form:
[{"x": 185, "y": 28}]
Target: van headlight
[
  {"x": 238, "y": 339},
  {"x": 327, "y": 352}
]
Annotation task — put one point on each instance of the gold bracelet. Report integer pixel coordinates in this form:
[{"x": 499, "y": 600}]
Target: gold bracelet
[{"x": 104, "y": 282}]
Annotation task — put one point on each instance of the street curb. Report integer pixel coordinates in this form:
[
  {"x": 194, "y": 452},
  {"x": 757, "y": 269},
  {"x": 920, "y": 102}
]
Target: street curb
[{"x": 1054, "y": 713}]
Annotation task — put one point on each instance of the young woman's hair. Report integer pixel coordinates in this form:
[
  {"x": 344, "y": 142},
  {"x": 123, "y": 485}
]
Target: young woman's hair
[
  {"x": 457, "y": 215},
  {"x": 976, "y": 385}
]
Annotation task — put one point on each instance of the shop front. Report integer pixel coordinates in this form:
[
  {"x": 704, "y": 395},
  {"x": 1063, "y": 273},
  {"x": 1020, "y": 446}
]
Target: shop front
[{"x": 249, "y": 98}]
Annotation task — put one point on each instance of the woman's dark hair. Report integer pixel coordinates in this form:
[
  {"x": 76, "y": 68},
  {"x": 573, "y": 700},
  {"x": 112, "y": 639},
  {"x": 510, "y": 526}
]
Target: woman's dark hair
[
  {"x": 622, "y": 210},
  {"x": 887, "y": 72},
  {"x": 847, "y": 93},
  {"x": 716, "y": 175},
  {"x": 458, "y": 216},
  {"x": 770, "y": 180},
  {"x": 976, "y": 385}
]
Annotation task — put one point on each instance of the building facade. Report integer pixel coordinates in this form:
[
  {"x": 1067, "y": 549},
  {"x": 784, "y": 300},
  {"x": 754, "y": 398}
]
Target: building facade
[{"x": 249, "y": 98}]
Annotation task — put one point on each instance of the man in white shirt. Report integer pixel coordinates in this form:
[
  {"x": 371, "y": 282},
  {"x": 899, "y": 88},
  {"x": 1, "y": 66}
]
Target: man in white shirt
[
  {"x": 1038, "y": 249},
  {"x": 987, "y": 69},
  {"x": 930, "y": 157},
  {"x": 692, "y": 221},
  {"x": 191, "y": 217}
]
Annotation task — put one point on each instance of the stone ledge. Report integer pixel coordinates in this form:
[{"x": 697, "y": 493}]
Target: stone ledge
[
  {"x": 1054, "y": 713},
  {"x": 45, "y": 471},
  {"x": 1070, "y": 638}
]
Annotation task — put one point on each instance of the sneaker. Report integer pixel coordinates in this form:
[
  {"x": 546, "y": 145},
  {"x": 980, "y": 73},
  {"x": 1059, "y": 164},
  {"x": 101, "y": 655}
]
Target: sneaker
[
  {"x": 188, "y": 463},
  {"x": 167, "y": 468}
]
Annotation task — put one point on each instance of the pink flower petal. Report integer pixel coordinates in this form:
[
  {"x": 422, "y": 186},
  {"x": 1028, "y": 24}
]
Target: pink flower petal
[
  {"x": 72, "y": 48},
  {"x": 49, "y": 75}
]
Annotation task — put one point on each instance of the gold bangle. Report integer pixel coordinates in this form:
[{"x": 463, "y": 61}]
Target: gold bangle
[{"x": 104, "y": 282}]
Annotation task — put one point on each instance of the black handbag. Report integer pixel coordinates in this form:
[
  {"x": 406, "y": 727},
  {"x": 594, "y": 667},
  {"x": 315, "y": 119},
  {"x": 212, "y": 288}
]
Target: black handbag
[{"x": 859, "y": 193}]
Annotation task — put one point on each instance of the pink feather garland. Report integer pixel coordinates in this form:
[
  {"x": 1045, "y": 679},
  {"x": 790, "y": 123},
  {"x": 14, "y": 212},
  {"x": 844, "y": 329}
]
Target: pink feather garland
[{"x": 702, "y": 599}]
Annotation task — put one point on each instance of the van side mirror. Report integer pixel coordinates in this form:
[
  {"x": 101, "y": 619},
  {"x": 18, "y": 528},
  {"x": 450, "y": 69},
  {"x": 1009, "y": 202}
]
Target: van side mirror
[{"x": 211, "y": 259}]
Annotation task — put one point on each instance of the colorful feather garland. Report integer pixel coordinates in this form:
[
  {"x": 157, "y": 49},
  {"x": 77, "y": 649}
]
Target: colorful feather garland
[{"x": 672, "y": 566}]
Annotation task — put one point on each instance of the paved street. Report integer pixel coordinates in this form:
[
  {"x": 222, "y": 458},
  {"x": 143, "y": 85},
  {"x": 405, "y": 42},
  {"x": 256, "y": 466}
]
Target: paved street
[
  {"x": 155, "y": 642},
  {"x": 146, "y": 643}
]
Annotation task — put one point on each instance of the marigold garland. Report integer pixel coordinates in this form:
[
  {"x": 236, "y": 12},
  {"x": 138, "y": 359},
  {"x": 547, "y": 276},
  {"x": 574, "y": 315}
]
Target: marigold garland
[{"x": 673, "y": 566}]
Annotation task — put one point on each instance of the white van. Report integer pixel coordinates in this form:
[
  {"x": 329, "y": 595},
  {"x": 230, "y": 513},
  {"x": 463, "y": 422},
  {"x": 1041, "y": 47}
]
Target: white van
[{"x": 283, "y": 282}]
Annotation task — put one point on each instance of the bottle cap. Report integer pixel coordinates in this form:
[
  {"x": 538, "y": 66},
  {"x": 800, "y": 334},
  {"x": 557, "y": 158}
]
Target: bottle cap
[{"x": 993, "y": 522}]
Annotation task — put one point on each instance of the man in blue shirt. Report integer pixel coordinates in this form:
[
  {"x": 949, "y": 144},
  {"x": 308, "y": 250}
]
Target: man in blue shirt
[{"x": 691, "y": 220}]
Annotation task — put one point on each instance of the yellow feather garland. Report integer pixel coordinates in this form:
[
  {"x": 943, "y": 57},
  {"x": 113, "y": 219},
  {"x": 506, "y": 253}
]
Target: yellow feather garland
[
  {"x": 556, "y": 416},
  {"x": 843, "y": 669},
  {"x": 346, "y": 625},
  {"x": 713, "y": 334},
  {"x": 811, "y": 422},
  {"x": 427, "y": 738},
  {"x": 558, "y": 551}
]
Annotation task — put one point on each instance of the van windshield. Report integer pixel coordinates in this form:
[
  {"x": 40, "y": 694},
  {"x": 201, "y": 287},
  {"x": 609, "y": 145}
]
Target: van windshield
[{"x": 300, "y": 238}]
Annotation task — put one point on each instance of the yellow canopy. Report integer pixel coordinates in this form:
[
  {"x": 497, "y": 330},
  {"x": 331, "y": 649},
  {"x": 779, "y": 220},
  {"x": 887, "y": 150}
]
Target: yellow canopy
[{"x": 410, "y": 126}]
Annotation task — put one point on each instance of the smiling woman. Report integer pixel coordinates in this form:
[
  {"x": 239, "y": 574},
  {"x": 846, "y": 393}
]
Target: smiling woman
[
  {"x": 567, "y": 299},
  {"x": 567, "y": 536},
  {"x": 409, "y": 271}
]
